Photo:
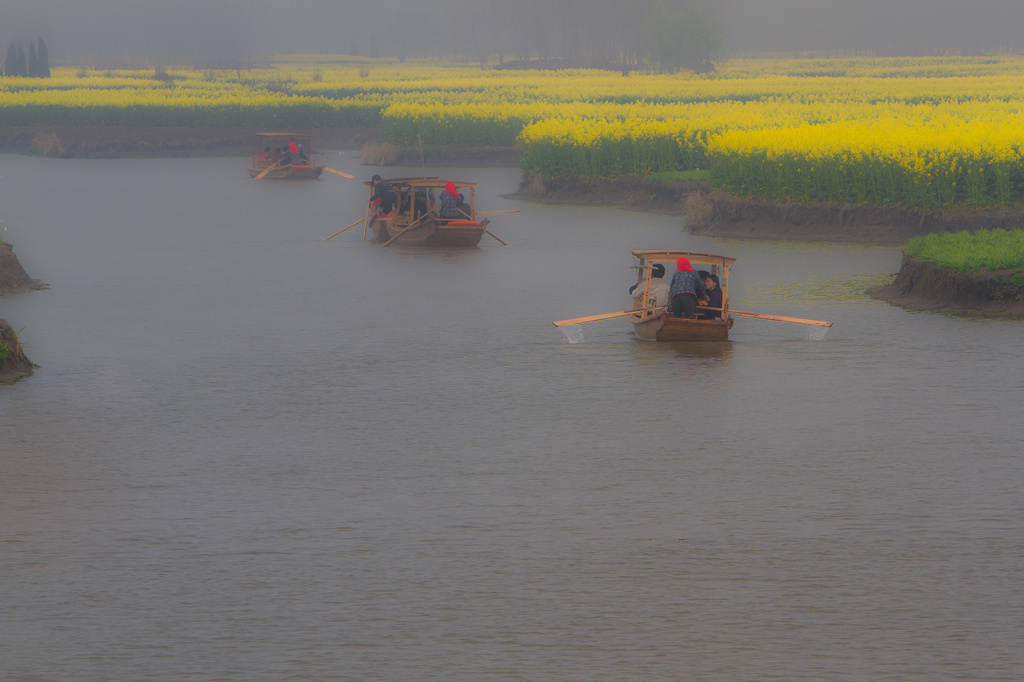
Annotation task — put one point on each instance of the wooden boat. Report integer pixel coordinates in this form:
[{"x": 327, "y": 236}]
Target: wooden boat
[
  {"x": 659, "y": 324},
  {"x": 414, "y": 220},
  {"x": 271, "y": 162}
]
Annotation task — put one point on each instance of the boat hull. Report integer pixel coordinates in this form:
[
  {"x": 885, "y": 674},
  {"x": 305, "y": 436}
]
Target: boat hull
[
  {"x": 667, "y": 328},
  {"x": 310, "y": 172},
  {"x": 428, "y": 233}
]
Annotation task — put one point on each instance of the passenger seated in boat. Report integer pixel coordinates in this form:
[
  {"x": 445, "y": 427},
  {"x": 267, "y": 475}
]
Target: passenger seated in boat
[
  {"x": 449, "y": 203},
  {"x": 420, "y": 202},
  {"x": 659, "y": 287},
  {"x": 277, "y": 156},
  {"x": 266, "y": 153},
  {"x": 686, "y": 289},
  {"x": 462, "y": 208},
  {"x": 303, "y": 158},
  {"x": 714, "y": 298},
  {"x": 383, "y": 197}
]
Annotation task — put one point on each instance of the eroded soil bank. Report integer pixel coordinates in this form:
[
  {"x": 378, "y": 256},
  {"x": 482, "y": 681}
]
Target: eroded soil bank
[
  {"x": 15, "y": 365},
  {"x": 101, "y": 142},
  {"x": 712, "y": 212},
  {"x": 926, "y": 286},
  {"x": 13, "y": 277}
]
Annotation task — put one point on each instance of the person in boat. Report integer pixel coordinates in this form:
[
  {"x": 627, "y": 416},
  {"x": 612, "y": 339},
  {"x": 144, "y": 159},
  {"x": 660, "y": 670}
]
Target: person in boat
[
  {"x": 686, "y": 289},
  {"x": 462, "y": 208},
  {"x": 303, "y": 158},
  {"x": 266, "y": 153},
  {"x": 449, "y": 203},
  {"x": 714, "y": 298},
  {"x": 659, "y": 287},
  {"x": 383, "y": 196}
]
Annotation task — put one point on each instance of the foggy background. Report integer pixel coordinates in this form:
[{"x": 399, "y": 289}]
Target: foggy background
[{"x": 108, "y": 33}]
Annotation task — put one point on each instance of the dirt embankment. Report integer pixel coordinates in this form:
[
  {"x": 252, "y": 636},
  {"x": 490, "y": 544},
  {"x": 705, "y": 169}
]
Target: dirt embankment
[
  {"x": 14, "y": 365},
  {"x": 13, "y": 277},
  {"x": 926, "y": 286},
  {"x": 711, "y": 212},
  {"x": 100, "y": 142}
]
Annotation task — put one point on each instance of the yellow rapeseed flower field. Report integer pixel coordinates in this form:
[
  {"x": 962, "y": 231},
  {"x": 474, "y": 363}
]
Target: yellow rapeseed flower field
[{"x": 922, "y": 132}]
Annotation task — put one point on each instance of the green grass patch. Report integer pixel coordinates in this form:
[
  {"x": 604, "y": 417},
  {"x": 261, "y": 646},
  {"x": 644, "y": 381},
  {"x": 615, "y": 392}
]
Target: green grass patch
[
  {"x": 971, "y": 251},
  {"x": 695, "y": 175}
]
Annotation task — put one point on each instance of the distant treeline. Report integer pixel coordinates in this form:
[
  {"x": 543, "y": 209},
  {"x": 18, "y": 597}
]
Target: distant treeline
[{"x": 37, "y": 65}]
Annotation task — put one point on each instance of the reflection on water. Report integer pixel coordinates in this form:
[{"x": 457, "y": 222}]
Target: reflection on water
[{"x": 250, "y": 454}]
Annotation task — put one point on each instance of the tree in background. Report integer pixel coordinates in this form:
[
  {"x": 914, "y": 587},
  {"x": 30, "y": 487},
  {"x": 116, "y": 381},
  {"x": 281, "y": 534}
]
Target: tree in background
[
  {"x": 682, "y": 39},
  {"x": 11, "y": 63},
  {"x": 36, "y": 66},
  {"x": 15, "y": 65},
  {"x": 22, "y": 62},
  {"x": 44, "y": 59},
  {"x": 33, "y": 62}
]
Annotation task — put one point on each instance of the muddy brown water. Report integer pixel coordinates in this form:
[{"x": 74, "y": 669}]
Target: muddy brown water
[{"x": 249, "y": 454}]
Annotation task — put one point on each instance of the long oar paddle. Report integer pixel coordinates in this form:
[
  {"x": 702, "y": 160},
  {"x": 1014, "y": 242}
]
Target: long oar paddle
[
  {"x": 496, "y": 212},
  {"x": 503, "y": 242},
  {"x": 603, "y": 316},
  {"x": 343, "y": 229},
  {"x": 776, "y": 318},
  {"x": 268, "y": 169},
  {"x": 338, "y": 172},
  {"x": 780, "y": 318},
  {"x": 410, "y": 226}
]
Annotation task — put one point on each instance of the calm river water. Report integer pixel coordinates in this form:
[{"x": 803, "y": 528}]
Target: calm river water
[{"x": 252, "y": 455}]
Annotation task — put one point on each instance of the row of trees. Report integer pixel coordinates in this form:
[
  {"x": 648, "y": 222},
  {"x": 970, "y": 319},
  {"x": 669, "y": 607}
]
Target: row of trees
[
  {"x": 37, "y": 65},
  {"x": 661, "y": 34}
]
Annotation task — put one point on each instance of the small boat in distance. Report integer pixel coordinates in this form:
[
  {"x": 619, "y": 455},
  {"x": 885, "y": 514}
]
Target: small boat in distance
[
  {"x": 284, "y": 156},
  {"x": 414, "y": 220},
  {"x": 658, "y": 324}
]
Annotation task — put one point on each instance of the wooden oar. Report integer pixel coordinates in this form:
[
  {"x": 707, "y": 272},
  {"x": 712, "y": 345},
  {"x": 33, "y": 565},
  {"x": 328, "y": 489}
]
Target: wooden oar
[
  {"x": 504, "y": 243},
  {"x": 496, "y": 212},
  {"x": 366, "y": 223},
  {"x": 342, "y": 230},
  {"x": 338, "y": 172},
  {"x": 409, "y": 227},
  {"x": 268, "y": 169},
  {"x": 776, "y": 318},
  {"x": 604, "y": 316}
]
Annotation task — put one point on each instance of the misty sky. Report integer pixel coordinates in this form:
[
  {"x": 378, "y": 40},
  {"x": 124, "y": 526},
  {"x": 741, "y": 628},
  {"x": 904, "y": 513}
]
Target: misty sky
[{"x": 139, "y": 32}]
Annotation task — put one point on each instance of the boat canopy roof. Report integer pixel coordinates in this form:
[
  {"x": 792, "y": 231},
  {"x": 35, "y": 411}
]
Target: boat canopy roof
[
  {"x": 426, "y": 183},
  {"x": 671, "y": 256},
  {"x": 300, "y": 136}
]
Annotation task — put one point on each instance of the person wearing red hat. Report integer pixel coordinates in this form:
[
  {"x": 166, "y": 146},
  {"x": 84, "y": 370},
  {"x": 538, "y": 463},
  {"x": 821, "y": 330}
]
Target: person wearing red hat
[
  {"x": 449, "y": 202},
  {"x": 686, "y": 289}
]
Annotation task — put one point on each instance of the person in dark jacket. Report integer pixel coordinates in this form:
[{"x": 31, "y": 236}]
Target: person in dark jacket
[
  {"x": 383, "y": 196},
  {"x": 686, "y": 289},
  {"x": 714, "y": 299}
]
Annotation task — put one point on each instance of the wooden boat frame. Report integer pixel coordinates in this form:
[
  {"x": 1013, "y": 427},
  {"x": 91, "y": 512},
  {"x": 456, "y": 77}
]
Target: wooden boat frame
[
  {"x": 414, "y": 223},
  {"x": 659, "y": 324},
  {"x": 309, "y": 170}
]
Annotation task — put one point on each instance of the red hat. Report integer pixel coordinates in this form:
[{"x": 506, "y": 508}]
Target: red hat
[
  {"x": 450, "y": 188},
  {"x": 683, "y": 265},
  {"x": 293, "y": 148}
]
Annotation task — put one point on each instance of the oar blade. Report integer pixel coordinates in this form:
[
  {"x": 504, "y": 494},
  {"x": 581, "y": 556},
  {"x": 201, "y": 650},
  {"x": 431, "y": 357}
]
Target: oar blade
[
  {"x": 782, "y": 318},
  {"x": 602, "y": 316},
  {"x": 267, "y": 170},
  {"x": 338, "y": 172}
]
